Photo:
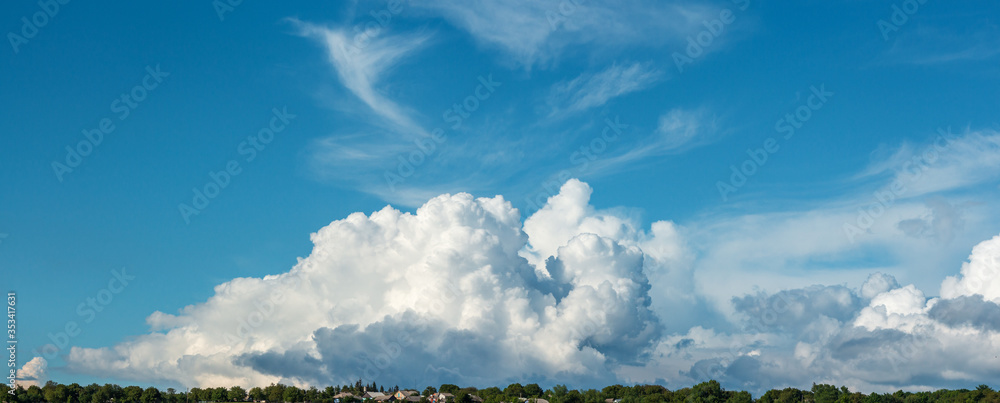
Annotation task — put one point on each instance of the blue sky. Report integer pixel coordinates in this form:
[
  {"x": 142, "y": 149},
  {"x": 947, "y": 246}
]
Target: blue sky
[{"x": 506, "y": 99}]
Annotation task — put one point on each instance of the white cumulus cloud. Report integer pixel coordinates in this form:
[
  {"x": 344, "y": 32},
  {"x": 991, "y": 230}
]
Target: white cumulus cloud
[
  {"x": 440, "y": 295},
  {"x": 462, "y": 292},
  {"x": 33, "y": 372}
]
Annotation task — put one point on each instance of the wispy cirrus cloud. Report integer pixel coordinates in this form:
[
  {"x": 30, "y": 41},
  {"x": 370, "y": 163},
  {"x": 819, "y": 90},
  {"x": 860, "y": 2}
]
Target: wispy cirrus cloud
[
  {"x": 679, "y": 130},
  {"x": 933, "y": 45},
  {"x": 362, "y": 156},
  {"x": 683, "y": 129},
  {"x": 939, "y": 203},
  {"x": 949, "y": 162},
  {"x": 533, "y": 32},
  {"x": 591, "y": 90},
  {"x": 362, "y": 68}
]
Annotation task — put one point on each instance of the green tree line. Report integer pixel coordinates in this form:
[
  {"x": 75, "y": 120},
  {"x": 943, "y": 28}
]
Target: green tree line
[{"x": 705, "y": 392}]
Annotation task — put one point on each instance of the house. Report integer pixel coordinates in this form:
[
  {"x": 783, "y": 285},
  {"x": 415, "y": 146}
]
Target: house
[
  {"x": 371, "y": 395},
  {"x": 442, "y": 398},
  {"x": 384, "y": 398},
  {"x": 403, "y": 394},
  {"x": 343, "y": 396}
]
